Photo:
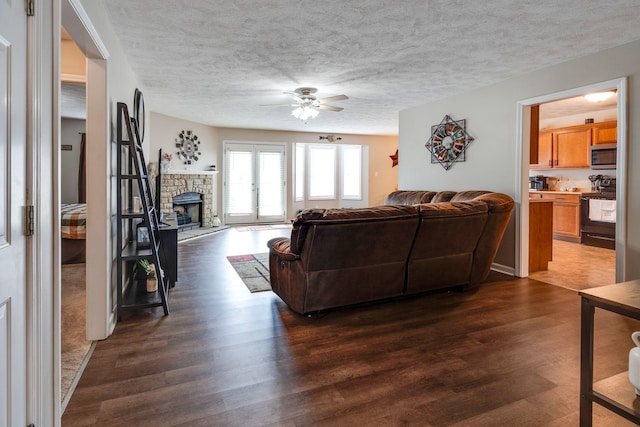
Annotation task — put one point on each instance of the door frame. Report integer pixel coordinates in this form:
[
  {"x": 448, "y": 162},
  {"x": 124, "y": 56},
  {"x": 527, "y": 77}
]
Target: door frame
[
  {"x": 253, "y": 145},
  {"x": 523, "y": 127}
]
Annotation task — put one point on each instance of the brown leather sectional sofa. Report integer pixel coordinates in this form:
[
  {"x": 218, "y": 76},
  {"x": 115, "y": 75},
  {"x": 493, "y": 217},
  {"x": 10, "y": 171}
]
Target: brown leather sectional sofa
[{"x": 417, "y": 242}]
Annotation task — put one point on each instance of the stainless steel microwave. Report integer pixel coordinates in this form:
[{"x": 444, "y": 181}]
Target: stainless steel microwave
[{"x": 604, "y": 156}]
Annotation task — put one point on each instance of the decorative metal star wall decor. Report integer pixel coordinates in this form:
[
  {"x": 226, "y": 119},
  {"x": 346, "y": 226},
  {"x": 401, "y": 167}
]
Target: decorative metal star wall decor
[
  {"x": 448, "y": 142},
  {"x": 394, "y": 159}
]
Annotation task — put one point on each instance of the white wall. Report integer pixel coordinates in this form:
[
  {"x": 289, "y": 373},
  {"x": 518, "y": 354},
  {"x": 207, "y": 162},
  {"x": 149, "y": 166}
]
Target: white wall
[
  {"x": 164, "y": 129},
  {"x": 101, "y": 178},
  {"x": 491, "y": 118},
  {"x": 70, "y": 130},
  {"x": 163, "y": 133}
]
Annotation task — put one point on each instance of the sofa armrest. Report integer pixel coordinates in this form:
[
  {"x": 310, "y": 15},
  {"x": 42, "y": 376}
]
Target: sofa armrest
[{"x": 281, "y": 247}]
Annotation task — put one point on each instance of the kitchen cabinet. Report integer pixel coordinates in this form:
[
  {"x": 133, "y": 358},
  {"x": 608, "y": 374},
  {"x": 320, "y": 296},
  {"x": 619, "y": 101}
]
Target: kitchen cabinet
[
  {"x": 540, "y": 234},
  {"x": 544, "y": 151},
  {"x": 566, "y": 213},
  {"x": 604, "y": 133},
  {"x": 569, "y": 147}
]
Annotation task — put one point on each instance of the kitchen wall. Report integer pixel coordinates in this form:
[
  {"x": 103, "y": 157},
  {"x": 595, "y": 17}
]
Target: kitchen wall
[
  {"x": 491, "y": 114},
  {"x": 383, "y": 178}
]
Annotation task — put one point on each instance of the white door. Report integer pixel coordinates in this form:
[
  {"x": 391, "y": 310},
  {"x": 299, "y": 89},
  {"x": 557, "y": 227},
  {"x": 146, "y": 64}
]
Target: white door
[
  {"x": 13, "y": 142},
  {"x": 254, "y": 183}
]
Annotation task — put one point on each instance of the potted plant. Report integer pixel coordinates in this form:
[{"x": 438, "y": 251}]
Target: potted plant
[{"x": 150, "y": 269}]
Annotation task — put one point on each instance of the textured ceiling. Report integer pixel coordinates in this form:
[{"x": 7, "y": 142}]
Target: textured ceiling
[{"x": 219, "y": 62}]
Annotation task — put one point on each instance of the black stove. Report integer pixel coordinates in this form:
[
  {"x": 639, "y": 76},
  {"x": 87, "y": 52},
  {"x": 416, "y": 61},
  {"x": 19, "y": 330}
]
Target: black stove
[{"x": 598, "y": 214}]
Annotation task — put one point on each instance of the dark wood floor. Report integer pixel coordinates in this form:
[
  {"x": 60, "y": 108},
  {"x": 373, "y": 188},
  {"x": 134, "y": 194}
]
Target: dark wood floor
[{"x": 504, "y": 355}]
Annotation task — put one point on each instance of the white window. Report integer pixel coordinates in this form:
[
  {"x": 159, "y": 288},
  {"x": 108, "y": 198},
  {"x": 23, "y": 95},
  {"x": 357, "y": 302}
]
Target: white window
[
  {"x": 322, "y": 172},
  {"x": 351, "y": 172},
  {"x": 321, "y": 169},
  {"x": 299, "y": 172}
]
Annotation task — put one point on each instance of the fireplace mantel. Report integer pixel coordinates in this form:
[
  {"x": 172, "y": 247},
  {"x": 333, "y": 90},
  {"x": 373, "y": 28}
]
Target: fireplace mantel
[
  {"x": 189, "y": 172},
  {"x": 176, "y": 182}
]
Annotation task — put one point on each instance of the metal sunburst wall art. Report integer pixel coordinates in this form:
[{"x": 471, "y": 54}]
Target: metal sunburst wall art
[
  {"x": 187, "y": 144},
  {"x": 448, "y": 142}
]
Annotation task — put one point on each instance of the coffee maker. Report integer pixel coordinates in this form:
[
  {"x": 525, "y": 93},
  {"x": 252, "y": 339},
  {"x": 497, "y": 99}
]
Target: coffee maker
[{"x": 538, "y": 182}]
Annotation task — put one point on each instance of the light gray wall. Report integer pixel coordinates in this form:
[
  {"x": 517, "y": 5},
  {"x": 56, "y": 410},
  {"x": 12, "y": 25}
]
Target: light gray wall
[
  {"x": 491, "y": 119},
  {"x": 120, "y": 85},
  {"x": 70, "y": 160}
]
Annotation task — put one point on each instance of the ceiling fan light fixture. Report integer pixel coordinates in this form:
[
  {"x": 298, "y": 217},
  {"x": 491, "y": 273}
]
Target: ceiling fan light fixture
[
  {"x": 304, "y": 113},
  {"x": 599, "y": 96}
]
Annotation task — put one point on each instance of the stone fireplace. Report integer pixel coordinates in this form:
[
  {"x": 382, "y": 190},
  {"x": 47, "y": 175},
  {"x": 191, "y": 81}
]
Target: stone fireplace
[{"x": 177, "y": 183}]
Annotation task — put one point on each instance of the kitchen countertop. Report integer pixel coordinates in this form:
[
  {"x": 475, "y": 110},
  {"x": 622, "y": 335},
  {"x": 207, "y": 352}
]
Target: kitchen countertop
[{"x": 555, "y": 192}]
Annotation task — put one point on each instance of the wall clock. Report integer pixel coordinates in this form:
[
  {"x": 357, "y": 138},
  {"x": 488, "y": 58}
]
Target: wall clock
[
  {"x": 187, "y": 144},
  {"x": 448, "y": 142}
]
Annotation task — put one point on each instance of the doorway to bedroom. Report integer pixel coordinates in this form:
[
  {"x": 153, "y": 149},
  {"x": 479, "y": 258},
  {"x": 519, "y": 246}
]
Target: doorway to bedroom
[{"x": 74, "y": 345}]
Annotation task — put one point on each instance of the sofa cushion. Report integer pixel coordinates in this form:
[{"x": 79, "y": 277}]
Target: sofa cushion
[
  {"x": 496, "y": 202},
  {"x": 323, "y": 216},
  {"x": 407, "y": 197}
]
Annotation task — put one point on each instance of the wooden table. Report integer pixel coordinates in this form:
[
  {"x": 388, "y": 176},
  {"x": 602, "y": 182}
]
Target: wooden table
[{"x": 615, "y": 393}]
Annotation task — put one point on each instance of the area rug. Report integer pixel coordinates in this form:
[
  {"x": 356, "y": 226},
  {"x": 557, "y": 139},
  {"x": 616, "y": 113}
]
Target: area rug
[
  {"x": 261, "y": 227},
  {"x": 253, "y": 270}
]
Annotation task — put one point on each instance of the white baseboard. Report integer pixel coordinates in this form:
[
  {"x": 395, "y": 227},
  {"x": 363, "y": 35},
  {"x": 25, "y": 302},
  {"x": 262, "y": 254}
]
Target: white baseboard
[{"x": 511, "y": 271}]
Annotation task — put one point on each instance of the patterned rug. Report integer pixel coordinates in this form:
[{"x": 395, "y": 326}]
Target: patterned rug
[{"x": 253, "y": 270}]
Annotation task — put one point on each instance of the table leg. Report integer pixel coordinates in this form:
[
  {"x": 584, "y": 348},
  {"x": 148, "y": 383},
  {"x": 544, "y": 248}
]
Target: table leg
[{"x": 586, "y": 362}]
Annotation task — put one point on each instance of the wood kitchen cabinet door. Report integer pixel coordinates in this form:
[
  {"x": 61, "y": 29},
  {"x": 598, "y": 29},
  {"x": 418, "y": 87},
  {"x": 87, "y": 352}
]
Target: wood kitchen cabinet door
[
  {"x": 566, "y": 219},
  {"x": 605, "y": 133},
  {"x": 571, "y": 147},
  {"x": 566, "y": 215},
  {"x": 544, "y": 151}
]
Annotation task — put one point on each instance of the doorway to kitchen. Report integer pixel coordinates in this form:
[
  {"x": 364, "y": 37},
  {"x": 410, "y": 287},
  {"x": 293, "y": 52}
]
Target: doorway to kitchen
[{"x": 558, "y": 123}]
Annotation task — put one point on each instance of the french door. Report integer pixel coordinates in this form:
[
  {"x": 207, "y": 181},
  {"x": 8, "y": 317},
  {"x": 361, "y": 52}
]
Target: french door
[{"x": 254, "y": 183}]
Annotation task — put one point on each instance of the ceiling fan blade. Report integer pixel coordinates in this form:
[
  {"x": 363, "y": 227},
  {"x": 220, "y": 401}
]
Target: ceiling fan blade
[
  {"x": 333, "y": 98},
  {"x": 329, "y": 107}
]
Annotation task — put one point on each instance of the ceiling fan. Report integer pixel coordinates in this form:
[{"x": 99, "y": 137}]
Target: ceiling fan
[{"x": 307, "y": 105}]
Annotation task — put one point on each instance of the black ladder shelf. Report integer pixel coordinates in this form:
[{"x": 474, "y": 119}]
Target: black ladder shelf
[{"x": 132, "y": 292}]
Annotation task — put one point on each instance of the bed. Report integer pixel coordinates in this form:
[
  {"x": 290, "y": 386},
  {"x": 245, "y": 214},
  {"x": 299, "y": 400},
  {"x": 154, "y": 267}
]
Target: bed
[{"x": 73, "y": 232}]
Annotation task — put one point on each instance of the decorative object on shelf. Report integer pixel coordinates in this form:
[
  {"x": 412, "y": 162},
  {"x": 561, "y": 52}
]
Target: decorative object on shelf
[
  {"x": 216, "y": 220},
  {"x": 165, "y": 163},
  {"x": 187, "y": 144},
  {"x": 330, "y": 138},
  {"x": 142, "y": 236},
  {"x": 634, "y": 363},
  {"x": 448, "y": 142},
  {"x": 152, "y": 278},
  {"x": 138, "y": 112},
  {"x": 394, "y": 159}
]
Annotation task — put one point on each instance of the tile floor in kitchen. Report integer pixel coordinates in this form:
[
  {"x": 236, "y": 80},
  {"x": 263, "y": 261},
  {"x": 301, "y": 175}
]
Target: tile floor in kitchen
[{"x": 576, "y": 266}]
